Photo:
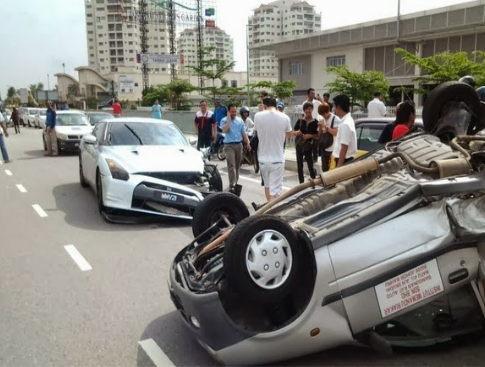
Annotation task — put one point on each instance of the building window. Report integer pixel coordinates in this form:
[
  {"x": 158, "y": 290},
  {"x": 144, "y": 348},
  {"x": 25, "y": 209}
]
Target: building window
[
  {"x": 224, "y": 83},
  {"x": 234, "y": 83},
  {"x": 336, "y": 60},
  {"x": 296, "y": 68}
]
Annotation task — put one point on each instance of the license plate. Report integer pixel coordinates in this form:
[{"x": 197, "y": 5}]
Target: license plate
[
  {"x": 171, "y": 197},
  {"x": 76, "y": 145},
  {"x": 409, "y": 288}
]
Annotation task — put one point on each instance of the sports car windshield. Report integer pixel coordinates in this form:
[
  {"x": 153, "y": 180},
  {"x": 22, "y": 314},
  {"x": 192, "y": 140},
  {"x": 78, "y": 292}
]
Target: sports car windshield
[
  {"x": 140, "y": 133},
  {"x": 71, "y": 119}
]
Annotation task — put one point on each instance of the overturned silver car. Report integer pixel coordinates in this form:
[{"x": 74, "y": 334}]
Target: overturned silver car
[{"x": 387, "y": 251}]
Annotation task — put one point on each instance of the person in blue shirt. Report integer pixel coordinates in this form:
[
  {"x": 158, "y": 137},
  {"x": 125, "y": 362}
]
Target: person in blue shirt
[
  {"x": 50, "y": 131},
  {"x": 235, "y": 131},
  {"x": 157, "y": 111},
  {"x": 220, "y": 112}
]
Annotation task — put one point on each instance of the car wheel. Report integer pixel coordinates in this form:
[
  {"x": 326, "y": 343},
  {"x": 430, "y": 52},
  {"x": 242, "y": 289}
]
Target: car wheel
[
  {"x": 82, "y": 181},
  {"x": 99, "y": 193},
  {"x": 255, "y": 162},
  {"x": 261, "y": 259},
  {"x": 442, "y": 95},
  {"x": 211, "y": 209},
  {"x": 215, "y": 179},
  {"x": 221, "y": 154}
]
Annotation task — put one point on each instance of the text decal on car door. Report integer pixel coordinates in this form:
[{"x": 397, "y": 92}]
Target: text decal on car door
[{"x": 409, "y": 288}]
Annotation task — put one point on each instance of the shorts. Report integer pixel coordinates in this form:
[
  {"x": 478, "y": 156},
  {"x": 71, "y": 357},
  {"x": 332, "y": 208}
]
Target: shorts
[{"x": 272, "y": 174}]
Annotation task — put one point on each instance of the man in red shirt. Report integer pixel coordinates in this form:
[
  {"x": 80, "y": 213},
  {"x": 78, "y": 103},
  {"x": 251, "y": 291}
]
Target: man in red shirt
[
  {"x": 117, "y": 110},
  {"x": 406, "y": 114}
]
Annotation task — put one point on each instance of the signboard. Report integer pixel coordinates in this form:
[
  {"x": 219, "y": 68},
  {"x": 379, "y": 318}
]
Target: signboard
[
  {"x": 160, "y": 59},
  {"x": 409, "y": 288},
  {"x": 127, "y": 85},
  {"x": 46, "y": 95},
  {"x": 24, "y": 95}
]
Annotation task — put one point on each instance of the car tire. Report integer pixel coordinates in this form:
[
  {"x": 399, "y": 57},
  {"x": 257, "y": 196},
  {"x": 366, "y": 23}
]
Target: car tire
[
  {"x": 82, "y": 180},
  {"x": 209, "y": 211},
  {"x": 262, "y": 259},
  {"x": 445, "y": 93},
  {"x": 99, "y": 193},
  {"x": 221, "y": 154},
  {"x": 215, "y": 178}
]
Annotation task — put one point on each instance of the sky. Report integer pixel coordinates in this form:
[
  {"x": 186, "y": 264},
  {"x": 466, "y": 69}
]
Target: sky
[{"x": 37, "y": 36}]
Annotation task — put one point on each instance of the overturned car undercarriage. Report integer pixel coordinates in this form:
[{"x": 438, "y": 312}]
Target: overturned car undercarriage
[{"x": 386, "y": 251}]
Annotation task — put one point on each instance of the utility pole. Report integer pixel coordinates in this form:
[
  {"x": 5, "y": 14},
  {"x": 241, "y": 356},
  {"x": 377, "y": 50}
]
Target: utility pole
[
  {"x": 247, "y": 62},
  {"x": 64, "y": 67},
  {"x": 144, "y": 42},
  {"x": 172, "y": 36},
  {"x": 200, "y": 53},
  {"x": 398, "y": 21},
  {"x": 48, "y": 83}
]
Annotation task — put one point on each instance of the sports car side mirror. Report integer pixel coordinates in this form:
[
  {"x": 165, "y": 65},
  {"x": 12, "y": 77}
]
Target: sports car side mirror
[{"x": 89, "y": 139}]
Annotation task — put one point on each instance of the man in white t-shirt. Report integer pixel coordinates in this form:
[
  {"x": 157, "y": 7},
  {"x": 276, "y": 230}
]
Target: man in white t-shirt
[
  {"x": 345, "y": 147},
  {"x": 328, "y": 125},
  {"x": 376, "y": 108},
  {"x": 272, "y": 128},
  {"x": 3, "y": 130}
]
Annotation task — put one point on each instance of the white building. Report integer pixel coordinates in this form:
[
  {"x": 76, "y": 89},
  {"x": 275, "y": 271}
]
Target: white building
[
  {"x": 212, "y": 37},
  {"x": 113, "y": 36},
  {"x": 276, "y": 22}
]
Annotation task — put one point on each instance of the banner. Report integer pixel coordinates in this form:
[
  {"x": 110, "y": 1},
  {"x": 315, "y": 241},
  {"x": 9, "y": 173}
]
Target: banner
[
  {"x": 127, "y": 85},
  {"x": 159, "y": 59}
]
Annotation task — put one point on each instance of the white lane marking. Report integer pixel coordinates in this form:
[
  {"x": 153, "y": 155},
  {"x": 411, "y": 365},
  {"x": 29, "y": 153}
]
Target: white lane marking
[
  {"x": 78, "y": 258},
  {"x": 21, "y": 188},
  {"x": 286, "y": 188},
  {"x": 158, "y": 357},
  {"x": 39, "y": 210},
  {"x": 8, "y": 172}
]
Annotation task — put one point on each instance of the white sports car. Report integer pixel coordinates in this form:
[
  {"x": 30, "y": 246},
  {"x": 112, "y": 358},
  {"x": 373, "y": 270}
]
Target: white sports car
[{"x": 145, "y": 166}]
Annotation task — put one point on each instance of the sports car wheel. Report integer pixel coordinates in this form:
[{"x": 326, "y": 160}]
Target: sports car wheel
[
  {"x": 221, "y": 154},
  {"x": 81, "y": 174},
  {"x": 442, "y": 95},
  {"x": 99, "y": 193},
  {"x": 261, "y": 259},
  {"x": 213, "y": 207}
]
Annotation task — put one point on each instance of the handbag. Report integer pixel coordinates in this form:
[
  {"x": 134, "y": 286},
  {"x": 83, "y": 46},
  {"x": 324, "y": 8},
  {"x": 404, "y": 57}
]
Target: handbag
[
  {"x": 301, "y": 143},
  {"x": 326, "y": 140}
]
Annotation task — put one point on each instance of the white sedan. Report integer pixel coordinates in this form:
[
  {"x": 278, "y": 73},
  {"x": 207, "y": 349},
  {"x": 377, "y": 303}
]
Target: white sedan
[
  {"x": 71, "y": 126},
  {"x": 146, "y": 166}
]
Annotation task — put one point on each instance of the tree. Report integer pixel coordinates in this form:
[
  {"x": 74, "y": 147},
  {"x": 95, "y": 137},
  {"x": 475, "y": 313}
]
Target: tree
[
  {"x": 92, "y": 103},
  {"x": 161, "y": 92},
  {"x": 212, "y": 69},
  {"x": 360, "y": 87},
  {"x": 178, "y": 88},
  {"x": 12, "y": 98},
  {"x": 444, "y": 67},
  {"x": 282, "y": 91},
  {"x": 36, "y": 87},
  {"x": 72, "y": 91},
  {"x": 11, "y": 92}
]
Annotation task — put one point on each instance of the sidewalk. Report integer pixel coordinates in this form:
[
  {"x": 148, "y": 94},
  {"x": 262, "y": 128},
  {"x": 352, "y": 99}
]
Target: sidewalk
[{"x": 290, "y": 155}]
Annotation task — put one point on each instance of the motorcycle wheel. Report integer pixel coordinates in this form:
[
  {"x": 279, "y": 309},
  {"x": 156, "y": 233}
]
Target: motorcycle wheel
[
  {"x": 221, "y": 154},
  {"x": 255, "y": 162}
]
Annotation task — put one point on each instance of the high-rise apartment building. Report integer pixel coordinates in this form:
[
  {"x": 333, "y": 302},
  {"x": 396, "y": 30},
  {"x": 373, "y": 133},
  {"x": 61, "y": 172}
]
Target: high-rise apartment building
[
  {"x": 275, "y": 22},
  {"x": 113, "y": 36},
  {"x": 215, "y": 37}
]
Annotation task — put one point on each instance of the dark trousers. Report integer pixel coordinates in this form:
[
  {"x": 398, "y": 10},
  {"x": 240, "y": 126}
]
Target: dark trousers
[
  {"x": 308, "y": 157},
  {"x": 326, "y": 156},
  {"x": 16, "y": 124},
  {"x": 345, "y": 162},
  {"x": 204, "y": 142},
  {"x": 316, "y": 152}
]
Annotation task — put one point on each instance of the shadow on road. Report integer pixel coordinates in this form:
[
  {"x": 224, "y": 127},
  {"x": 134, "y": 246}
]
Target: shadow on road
[
  {"x": 36, "y": 154},
  {"x": 176, "y": 341},
  {"x": 81, "y": 210}
]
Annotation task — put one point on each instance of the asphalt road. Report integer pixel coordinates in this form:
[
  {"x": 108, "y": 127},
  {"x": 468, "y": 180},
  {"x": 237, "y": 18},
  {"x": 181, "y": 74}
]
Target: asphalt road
[{"x": 53, "y": 313}]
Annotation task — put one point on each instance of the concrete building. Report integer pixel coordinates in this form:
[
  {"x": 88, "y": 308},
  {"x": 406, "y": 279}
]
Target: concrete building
[
  {"x": 275, "y": 22},
  {"x": 212, "y": 37},
  {"x": 113, "y": 36},
  {"x": 371, "y": 46}
]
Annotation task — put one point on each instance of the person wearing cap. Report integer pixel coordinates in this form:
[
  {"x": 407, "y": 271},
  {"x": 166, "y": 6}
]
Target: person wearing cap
[
  {"x": 220, "y": 112},
  {"x": 248, "y": 123},
  {"x": 280, "y": 107}
]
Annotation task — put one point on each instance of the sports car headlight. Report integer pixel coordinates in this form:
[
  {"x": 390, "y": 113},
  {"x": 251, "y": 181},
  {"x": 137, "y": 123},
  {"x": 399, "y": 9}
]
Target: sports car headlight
[
  {"x": 117, "y": 172},
  {"x": 61, "y": 136}
]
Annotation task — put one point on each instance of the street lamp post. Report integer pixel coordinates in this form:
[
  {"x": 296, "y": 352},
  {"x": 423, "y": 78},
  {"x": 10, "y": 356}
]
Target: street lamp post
[
  {"x": 247, "y": 63},
  {"x": 64, "y": 67},
  {"x": 48, "y": 83}
]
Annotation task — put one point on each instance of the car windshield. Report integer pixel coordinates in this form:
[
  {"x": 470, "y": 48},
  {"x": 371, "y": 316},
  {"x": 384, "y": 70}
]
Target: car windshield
[
  {"x": 71, "y": 119},
  {"x": 32, "y": 112},
  {"x": 98, "y": 117},
  {"x": 139, "y": 133},
  {"x": 42, "y": 113}
]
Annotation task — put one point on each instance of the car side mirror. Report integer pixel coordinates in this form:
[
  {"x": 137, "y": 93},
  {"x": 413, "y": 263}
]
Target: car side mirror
[{"x": 89, "y": 139}]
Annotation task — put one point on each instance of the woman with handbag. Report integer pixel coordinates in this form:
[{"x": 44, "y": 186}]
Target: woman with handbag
[
  {"x": 327, "y": 131},
  {"x": 306, "y": 132}
]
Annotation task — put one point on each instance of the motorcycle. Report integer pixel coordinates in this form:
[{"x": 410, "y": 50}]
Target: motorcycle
[
  {"x": 217, "y": 147},
  {"x": 251, "y": 157}
]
